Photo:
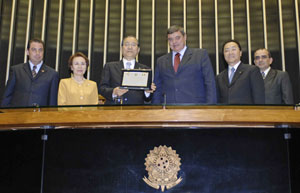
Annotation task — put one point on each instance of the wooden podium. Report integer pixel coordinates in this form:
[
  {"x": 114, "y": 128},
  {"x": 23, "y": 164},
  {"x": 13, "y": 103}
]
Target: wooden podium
[
  {"x": 151, "y": 116},
  {"x": 103, "y": 149}
]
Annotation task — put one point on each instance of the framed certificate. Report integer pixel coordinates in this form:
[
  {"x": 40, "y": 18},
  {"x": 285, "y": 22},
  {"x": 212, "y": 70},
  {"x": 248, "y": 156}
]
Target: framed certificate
[{"x": 136, "y": 79}]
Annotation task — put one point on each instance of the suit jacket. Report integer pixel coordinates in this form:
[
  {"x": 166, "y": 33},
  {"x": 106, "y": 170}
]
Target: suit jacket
[
  {"x": 278, "y": 88},
  {"x": 246, "y": 87},
  {"x": 24, "y": 90},
  {"x": 111, "y": 78},
  {"x": 194, "y": 81}
]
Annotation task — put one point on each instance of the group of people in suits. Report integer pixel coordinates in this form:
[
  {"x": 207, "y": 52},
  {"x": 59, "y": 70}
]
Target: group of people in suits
[{"x": 184, "y": 75}]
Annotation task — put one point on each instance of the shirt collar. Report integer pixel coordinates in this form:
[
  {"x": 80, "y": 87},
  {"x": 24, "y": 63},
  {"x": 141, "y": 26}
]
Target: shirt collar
[
  {"x": 266, "y": 71},
  {"x": 181, "y": 52},
  {"x": 131, "y": 61},
  {"x": 38, "y": 66},
  {"x": 235, "y": 66}
]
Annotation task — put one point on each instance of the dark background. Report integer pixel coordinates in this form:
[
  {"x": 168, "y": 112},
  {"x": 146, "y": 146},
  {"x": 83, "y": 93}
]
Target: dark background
[{"x": 248, "y": 160}]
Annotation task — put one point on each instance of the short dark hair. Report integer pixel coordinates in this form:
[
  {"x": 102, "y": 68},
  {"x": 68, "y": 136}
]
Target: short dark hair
[
  {"x": 37, "y": 40},
  {"x": 269, "y": 53},
  {"x": 234, "y": 41},
  {"x": 130, "y": 36},
  {"x": 78, "y": 54},
  {"x": 176, "y": 28}
]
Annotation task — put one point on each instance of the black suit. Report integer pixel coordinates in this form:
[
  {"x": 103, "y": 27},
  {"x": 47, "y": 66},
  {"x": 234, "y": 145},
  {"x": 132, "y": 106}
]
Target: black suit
[
  {"x": 278, "y": 88},
  {"x": 24, "y": 90},
  {"x": 111, "y": 78},
  {"x": 247, "y": 86}
]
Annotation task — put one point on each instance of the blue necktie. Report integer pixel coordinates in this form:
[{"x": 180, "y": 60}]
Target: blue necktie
[
  {"x": 231, "y": 74},
  {"x": 128, "y": 64}
]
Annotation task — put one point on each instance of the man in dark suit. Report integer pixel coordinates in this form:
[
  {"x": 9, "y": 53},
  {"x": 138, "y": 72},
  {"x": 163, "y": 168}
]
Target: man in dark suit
[
  {"x": 278, "y": 88},
  {"x": 32, "y": 83},
  {"x": 112, "y": 74},
  {"x": 239, "y": 83},
  {"x": 185, "y": 75}
]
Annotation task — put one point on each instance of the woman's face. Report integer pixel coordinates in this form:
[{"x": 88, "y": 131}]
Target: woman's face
[{"x": 78, "y": 66}]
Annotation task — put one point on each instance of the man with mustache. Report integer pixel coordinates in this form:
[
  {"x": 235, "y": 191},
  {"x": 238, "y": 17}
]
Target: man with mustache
[{"x": 278, "y": 88}]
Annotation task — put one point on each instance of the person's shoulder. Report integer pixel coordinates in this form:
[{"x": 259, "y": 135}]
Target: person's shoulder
[
  {"x": 49, "y": 69},
  {"x": 249, "y": 67},
  {"x": 142, "y": 66},
  {"x": 17, "y": 66},
  {"x": 65, "y": 80},
  {"x": 221, "y": 74},
  {"x": 91, "y": 82},
  {"x": 112, "y": 63}
]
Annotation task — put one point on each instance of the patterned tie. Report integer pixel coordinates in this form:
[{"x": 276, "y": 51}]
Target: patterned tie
[
  {"x": 231, "y": 74},
  {"x": 263, "y": 75},
  {"x": 128, "y": 65},
  {"x": 176, "y": 61},
  {"x": 33, "y": 71}
]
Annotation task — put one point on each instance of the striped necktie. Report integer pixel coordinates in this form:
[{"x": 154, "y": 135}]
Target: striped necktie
[
  {"x": 263, "y": 75},
  {"x": 33, "y": 71}
]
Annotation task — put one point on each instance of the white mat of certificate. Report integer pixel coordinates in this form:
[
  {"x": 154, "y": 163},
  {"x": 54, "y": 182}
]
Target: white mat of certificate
[{"x": 138, "y": 79}]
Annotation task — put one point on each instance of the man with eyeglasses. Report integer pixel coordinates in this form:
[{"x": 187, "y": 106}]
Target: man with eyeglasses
[
  {"x": 109, "y": 86},
  {"x": 33, "y": 83},
  {"x": 278, "y": 88}
]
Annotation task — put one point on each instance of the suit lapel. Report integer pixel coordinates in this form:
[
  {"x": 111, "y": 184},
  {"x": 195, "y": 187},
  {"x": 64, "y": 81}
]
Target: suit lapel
[
  {"x": 225, "y": 77},
  {"x": 186, "y": 57},
  {"x": 42, "y": 70},
  {"x": 239, "y": 71},
  {"x": 27, "y": 69},
  {"x": 169, "y": 62},
  {"x": 271, "y": 74}
]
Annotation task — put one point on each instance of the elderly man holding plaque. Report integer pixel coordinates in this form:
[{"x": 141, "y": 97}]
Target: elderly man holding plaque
[{"x": 117, "y": 73}]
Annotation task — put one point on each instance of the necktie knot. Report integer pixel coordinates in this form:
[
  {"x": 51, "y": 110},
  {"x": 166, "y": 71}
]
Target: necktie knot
[
  {"x": 263, "y": 75},
  {"x": 34, "y": 71},
  {"x": 176, "y": 61},
  {"x": 128, "y": 65}
]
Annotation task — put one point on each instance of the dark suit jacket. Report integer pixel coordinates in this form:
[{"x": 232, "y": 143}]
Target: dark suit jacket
[
  {"x": 111, "y": 78},
  {"x": 24, "y": 90},
  {"x": 278, "y": 88},
  {"x": 194, "y": 81},
  {"x": 247, "y": 86}
]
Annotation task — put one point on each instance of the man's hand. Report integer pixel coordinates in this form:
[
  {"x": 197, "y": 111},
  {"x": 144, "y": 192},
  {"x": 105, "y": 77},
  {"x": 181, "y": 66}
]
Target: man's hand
[
  {"x": 119, "y": 91},
  {"x": 153, "y": 88}
]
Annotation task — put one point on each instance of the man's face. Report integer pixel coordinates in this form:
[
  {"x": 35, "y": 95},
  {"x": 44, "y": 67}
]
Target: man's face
[
  {"x": 35, "y": 52},
  {"x": 130, "y": 48},
  {"x": 176, "y": 41},
  {"x": 232, "y": 53},
  {"x": 262, "y": 59}
]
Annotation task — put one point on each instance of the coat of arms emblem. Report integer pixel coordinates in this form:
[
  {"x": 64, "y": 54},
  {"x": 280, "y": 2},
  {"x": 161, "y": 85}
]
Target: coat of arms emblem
[{"x": 162, "y": 164}]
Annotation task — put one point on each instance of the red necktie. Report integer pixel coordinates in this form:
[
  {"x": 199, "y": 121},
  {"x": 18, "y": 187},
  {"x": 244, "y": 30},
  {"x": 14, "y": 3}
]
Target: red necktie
[{"x": 176, "y": 61}]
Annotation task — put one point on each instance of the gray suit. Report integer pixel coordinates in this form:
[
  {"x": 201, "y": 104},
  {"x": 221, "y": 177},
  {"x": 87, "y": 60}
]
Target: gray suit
[
  {"x": 246, "y": 87},
  {"x": 278, "y": 88},
  {"x": 24, "y": 90}
]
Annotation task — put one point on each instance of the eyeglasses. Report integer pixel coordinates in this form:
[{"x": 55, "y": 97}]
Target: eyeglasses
[
  {"x": 262, "y": 57},
  {"x": 127, "y": 44}
]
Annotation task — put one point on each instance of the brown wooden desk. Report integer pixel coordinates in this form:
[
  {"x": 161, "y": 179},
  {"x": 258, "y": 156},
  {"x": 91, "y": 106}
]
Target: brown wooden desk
[{"x": 151, "y": 117}]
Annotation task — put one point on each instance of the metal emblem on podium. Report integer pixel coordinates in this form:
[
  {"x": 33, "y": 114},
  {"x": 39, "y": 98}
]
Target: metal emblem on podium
[{"x": 162, "y": 164}]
